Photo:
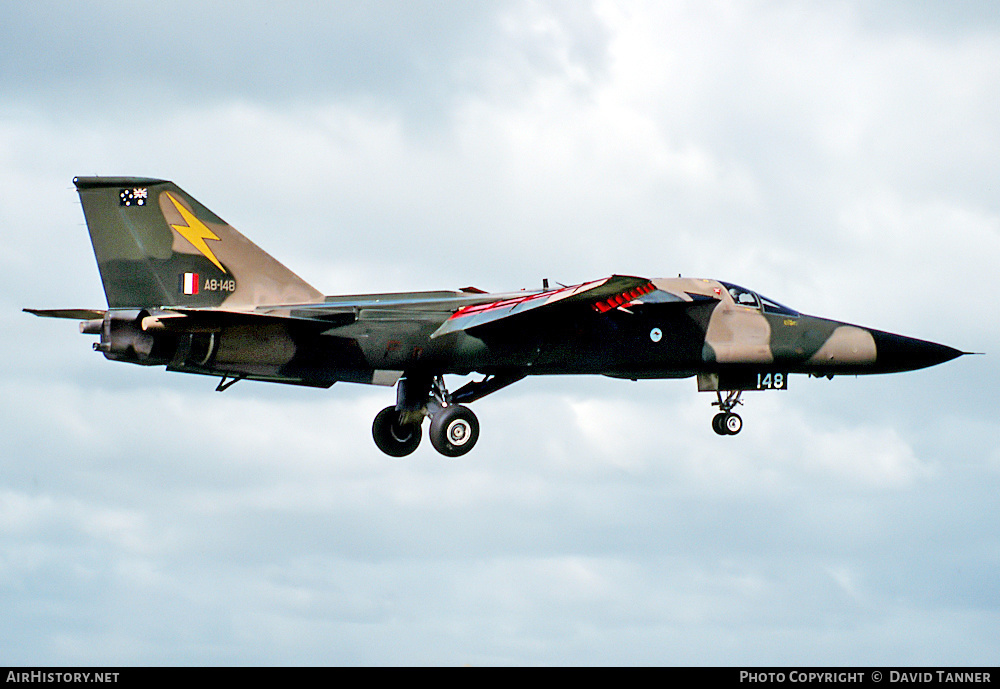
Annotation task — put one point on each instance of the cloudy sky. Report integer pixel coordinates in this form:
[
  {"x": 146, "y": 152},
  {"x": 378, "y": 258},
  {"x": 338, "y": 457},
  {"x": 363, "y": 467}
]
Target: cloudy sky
[{"x": 840, "y": 157}]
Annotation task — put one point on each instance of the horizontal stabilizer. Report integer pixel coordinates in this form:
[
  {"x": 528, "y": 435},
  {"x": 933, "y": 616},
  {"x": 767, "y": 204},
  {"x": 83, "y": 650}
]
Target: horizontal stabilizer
[
  {"x": 72, "y": 314},
  {"x": 183, "y": 320}
]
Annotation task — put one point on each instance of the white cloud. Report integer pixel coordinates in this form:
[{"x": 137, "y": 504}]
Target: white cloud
[{"x": 844, "y": 166}]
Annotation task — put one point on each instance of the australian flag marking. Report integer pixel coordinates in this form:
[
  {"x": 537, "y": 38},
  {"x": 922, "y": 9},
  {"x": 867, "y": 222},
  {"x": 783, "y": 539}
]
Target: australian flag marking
[{"x": 137, "y": 196}]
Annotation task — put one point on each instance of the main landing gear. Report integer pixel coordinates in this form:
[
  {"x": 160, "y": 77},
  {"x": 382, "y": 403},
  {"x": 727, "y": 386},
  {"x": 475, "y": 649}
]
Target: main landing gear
[
  {"x": 454, "y": 429},
  {"x": 726, "y": 422}
]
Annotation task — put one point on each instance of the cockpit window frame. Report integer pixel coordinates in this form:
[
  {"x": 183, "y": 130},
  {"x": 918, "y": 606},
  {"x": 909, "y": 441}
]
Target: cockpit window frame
[
  {"x": 737, "y": 293},
  {"x": 761, "y": 303},
  {"x": 776, "y": 308}
]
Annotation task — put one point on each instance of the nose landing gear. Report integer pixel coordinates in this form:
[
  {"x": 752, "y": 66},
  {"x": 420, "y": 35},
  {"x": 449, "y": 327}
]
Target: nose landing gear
[{"x": 726, "y": 422}]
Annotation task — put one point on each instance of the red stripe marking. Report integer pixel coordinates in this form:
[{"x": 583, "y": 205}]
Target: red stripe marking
[{"x": 623, "y": 298}]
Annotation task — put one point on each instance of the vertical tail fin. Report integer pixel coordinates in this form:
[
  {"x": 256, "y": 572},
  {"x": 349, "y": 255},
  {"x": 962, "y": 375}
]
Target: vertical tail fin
[{"x": 157, "y": 246}]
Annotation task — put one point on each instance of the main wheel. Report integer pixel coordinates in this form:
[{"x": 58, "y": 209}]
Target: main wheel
[
  {"x": 733, "y": 424},
  {"x": 454, "y": 430},
  {"x": 392, "y": 437}
]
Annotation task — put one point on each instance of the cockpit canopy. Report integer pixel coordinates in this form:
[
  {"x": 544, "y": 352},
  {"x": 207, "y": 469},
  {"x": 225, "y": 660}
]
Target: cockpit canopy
[{"x": 749, "y": 298}]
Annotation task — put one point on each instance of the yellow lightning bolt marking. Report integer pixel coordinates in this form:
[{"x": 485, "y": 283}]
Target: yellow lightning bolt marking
[{"x": 195, "y": 232}]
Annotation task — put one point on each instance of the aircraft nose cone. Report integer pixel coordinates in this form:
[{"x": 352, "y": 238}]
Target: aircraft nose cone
[{"x": 894, "y": 353}]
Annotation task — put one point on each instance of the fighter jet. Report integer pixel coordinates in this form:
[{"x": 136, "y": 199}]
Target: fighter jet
[{"x": 187, "y": 291}]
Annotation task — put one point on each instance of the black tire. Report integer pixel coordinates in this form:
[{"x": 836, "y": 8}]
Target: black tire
[
  {"x": 733, "y": 424},
  {"x": 393, "y": 438},
  {"x": 719, "y": 424},
  {"x": 454, "y": 431}
]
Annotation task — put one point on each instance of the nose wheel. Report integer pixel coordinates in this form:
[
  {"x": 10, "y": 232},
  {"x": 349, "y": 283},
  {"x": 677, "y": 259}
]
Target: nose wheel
[{"x": 726, "y": 422}]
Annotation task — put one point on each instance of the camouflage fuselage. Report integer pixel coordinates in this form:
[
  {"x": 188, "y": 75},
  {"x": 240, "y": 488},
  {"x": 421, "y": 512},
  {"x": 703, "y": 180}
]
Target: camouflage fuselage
[
  {"x": 188, "y": 291},
  {"x": 682, "y": 328}
]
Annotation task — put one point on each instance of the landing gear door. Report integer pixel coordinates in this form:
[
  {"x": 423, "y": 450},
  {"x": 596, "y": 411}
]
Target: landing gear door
[{"x": 742, "y": 380}]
